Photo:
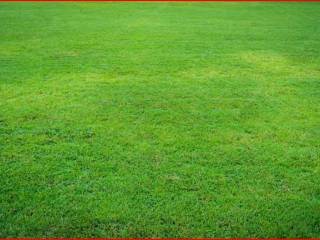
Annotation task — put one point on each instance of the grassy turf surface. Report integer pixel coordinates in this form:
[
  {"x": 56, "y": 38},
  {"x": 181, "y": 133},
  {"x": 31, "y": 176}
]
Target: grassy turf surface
[{"x": 160, "y": 119}]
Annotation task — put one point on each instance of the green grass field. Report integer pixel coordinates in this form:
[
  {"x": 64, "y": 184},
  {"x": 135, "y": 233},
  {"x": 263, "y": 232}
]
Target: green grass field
[{"x": 160, "y": 119}]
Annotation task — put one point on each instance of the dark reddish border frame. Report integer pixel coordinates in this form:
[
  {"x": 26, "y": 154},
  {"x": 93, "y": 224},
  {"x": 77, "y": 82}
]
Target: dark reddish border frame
[{"x": 157, "y": 1}]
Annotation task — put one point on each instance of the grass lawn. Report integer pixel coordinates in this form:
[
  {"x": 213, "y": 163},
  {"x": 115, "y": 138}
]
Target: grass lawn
[{"x": 159, "y": 119}]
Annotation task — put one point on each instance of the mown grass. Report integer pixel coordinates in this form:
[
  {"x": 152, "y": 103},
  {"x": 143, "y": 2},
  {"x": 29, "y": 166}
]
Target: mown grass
[{"x": 159, "y": 120}]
